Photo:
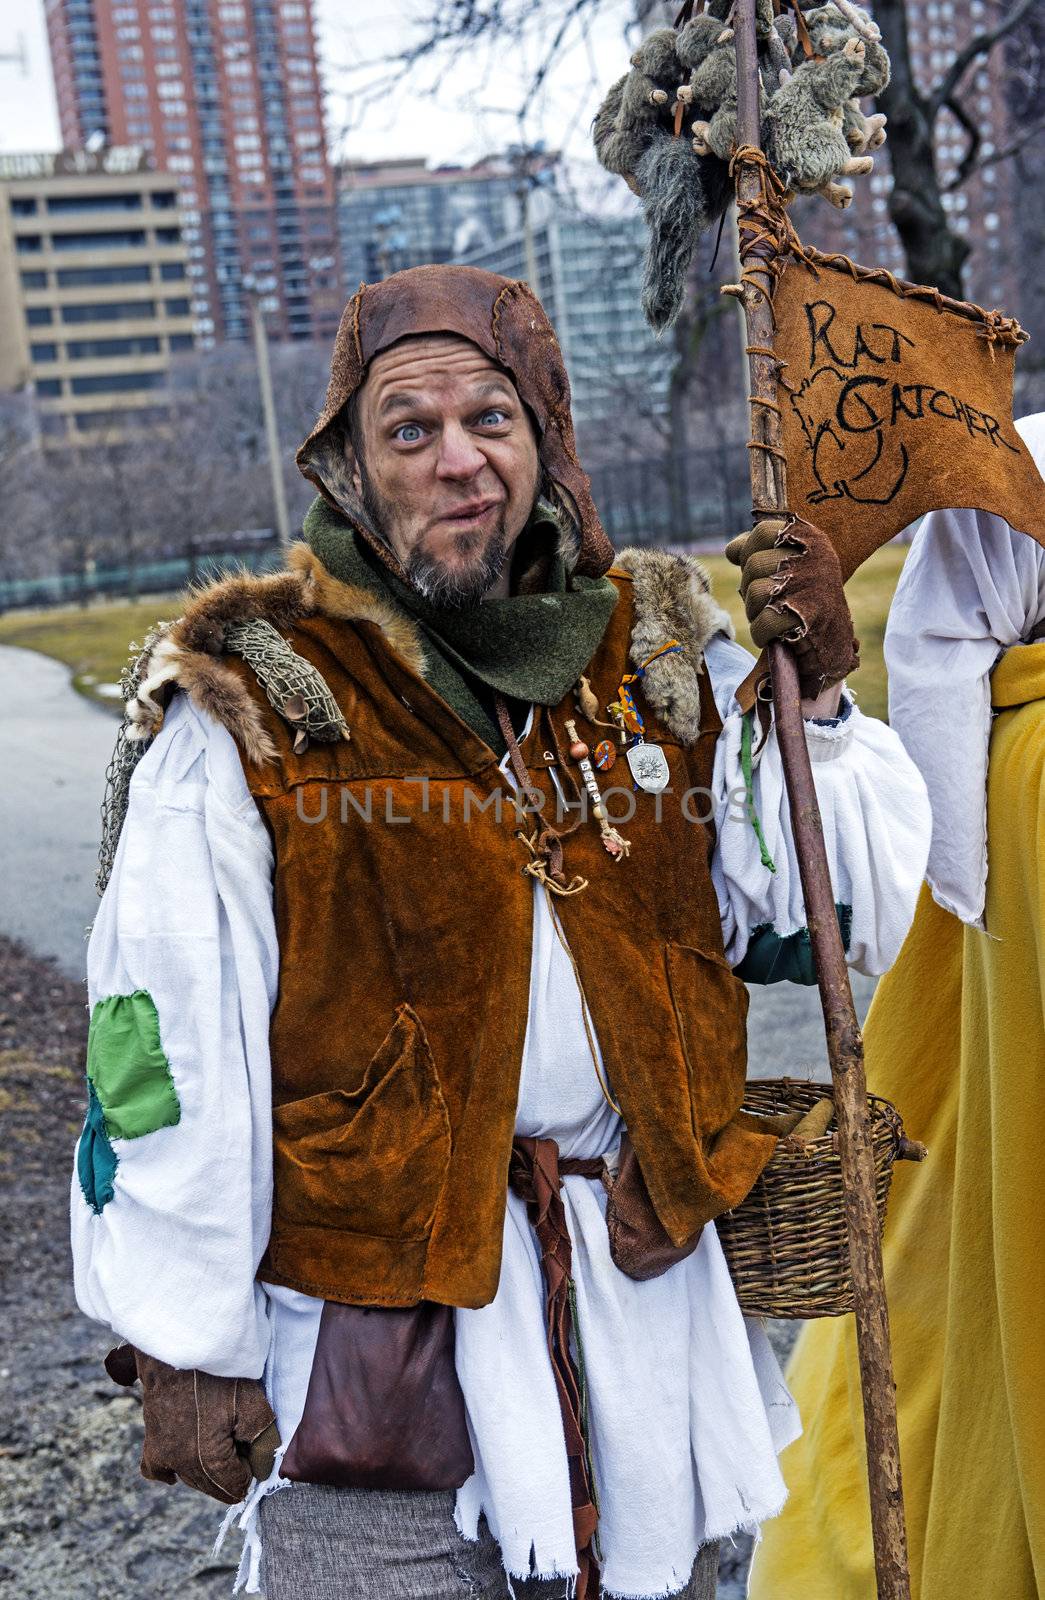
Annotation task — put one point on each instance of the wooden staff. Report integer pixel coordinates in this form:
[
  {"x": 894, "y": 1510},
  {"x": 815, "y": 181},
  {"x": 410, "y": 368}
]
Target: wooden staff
[{"x": 844, "y": 1042}]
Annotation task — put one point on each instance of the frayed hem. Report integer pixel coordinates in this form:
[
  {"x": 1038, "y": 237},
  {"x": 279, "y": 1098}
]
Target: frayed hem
[{"x": 245, "y": 1516}]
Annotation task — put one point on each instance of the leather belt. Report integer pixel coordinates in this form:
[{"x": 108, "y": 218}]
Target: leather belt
[{"x": 535, "y": 1174}]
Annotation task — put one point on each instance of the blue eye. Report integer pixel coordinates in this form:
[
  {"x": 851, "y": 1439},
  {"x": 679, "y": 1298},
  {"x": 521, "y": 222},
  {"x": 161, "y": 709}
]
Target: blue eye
[
  {"x": 491, "y": 418},
  {"x": 408, "y": 432}
]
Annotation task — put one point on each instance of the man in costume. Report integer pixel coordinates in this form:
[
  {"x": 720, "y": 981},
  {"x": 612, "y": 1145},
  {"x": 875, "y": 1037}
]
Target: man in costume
[
  {"x": 955, "y": 1036},
  {"x": 430, "y": 885}
]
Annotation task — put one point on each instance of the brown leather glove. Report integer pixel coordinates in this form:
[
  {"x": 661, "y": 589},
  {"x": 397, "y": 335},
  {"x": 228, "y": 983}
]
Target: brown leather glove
[
  {"x": 215, "y": 1434},
  {"x": 791, "y": 585}
]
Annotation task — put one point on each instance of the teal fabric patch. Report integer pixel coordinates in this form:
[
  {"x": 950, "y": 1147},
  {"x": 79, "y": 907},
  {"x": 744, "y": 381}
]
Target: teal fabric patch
[
  {"x": 128, "y": 1069},
  {"x": 775, "y": 958},
  {"x": 96, "y": 1160}
]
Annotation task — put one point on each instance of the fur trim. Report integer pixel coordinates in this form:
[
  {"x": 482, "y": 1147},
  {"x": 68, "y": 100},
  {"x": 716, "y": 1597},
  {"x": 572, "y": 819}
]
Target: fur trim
[
  {"x": 329, "y": 597},
  {"x": 188, "y": 653},
  {"x": 672, "y": 599}
]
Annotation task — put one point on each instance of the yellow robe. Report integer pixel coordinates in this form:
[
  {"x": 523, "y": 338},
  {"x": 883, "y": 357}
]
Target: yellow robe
[{"x": 956, "y": 1039}]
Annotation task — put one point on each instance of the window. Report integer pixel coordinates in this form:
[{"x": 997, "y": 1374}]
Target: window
[
  {"x": 117, "y": 382},
  {"x": 48, "y": 386},
  {"x": 176, "y": 308},
  {"x": 61, "y": 205},
  {"x": 104, "y": 349},
  {"x": 168, "y": 235},
  {"x": 23, "y": 206},
  {"x": 109, "y": 311},
  {"x": 34, "y": 280},
  {"x": 29, "y": 244},
  {"x": 181, "y": 341},
  {"x": 87, "y": 277},
  {"x": 164, "y": 200},
  {"x": 39, "y": 316},
  {"x": 44, "y": 352},
  {"x": 113, "y": 239},
  {"x": 170, "y": 271}
]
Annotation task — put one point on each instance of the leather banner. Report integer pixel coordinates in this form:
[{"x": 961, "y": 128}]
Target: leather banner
[{"x": 895, "y": 401}]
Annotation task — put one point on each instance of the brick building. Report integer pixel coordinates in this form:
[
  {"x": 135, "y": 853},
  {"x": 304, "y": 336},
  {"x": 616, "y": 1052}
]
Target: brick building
[
  {"x": 982, "y": 210},
  {"x": 225, "y": 94}
]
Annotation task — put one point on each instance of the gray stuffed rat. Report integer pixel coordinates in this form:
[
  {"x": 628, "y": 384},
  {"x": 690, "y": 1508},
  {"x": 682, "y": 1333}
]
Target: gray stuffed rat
[{"x": 813, "y": 129}]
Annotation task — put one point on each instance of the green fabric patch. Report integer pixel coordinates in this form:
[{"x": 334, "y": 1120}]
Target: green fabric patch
[
  {"x": 96, "y": 1160},
  {"x": 128, "y": 1069},
  {"x": 777, "y": 958}
]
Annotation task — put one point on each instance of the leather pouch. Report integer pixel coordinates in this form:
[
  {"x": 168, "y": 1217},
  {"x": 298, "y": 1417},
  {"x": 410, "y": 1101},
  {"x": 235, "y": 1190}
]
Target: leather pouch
[
  {"x": 639, "y": 1244},
  {"x": 384, "y": 1408}
]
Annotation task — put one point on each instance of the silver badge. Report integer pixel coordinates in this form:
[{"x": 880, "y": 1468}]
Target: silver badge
[{"x": 649, "y": 766}]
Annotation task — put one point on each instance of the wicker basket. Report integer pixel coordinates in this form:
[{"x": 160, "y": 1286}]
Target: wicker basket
[{"x": 786, "y": 1242}]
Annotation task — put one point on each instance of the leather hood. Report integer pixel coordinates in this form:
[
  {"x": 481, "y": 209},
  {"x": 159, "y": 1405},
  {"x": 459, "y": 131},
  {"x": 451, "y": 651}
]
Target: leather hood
[{"x": 508, "y": 323}]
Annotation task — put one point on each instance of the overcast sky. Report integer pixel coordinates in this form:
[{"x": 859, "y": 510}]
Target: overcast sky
[{"x": 447, "y": 113}]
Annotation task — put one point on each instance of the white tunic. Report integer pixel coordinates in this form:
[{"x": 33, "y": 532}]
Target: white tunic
[{"x": 688, "y": 1408}]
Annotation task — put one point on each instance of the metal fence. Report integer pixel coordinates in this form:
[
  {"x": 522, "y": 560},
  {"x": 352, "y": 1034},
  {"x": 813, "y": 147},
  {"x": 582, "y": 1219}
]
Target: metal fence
[
  {"x": 164, "y": 572},
  {"x": 669, "y": 499},
  {"x": 675, "y": 499}
]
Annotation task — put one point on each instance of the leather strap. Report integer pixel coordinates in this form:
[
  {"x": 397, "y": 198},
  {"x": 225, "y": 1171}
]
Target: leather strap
[
  {"x": 548, "y": 840},
  {"x": 535, "y": 1174}
]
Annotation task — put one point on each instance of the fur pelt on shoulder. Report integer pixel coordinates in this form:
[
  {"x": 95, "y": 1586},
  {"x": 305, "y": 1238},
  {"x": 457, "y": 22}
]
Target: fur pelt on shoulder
[
  {"x": 671, "y": 601},
  {"x": 188, "y": 654}
]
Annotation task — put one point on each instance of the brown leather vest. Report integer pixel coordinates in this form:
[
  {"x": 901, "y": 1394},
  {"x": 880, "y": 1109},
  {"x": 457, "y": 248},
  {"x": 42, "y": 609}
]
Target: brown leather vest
[{"x": 404, "y": 919}]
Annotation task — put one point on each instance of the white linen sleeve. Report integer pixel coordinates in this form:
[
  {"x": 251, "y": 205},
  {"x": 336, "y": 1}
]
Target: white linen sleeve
[
  {"x": 171, "y": 1195},
  {"x": 876, "y": 828}
]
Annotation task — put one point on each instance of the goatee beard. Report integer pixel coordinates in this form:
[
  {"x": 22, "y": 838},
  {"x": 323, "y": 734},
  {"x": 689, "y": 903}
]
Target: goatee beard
[
  {"x": 451, "y": 589},
  {"x": 454, "y": 588}
]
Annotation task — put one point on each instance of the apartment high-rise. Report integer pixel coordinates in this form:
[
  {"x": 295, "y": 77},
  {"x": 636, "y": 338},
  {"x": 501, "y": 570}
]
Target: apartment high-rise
[
  {"x": 94, "y": 296},
  {"x": 226, "y": 95},
  {"x": 982, "y": 209}
]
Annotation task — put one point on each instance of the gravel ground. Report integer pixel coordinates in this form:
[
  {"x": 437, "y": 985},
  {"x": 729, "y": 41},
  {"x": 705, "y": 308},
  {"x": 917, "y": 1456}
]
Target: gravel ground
[{"x": 79, "y": 1522}]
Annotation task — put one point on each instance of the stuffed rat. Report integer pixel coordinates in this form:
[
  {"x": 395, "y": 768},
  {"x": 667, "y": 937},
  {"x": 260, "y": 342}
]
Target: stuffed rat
[
  {"x": 802, "y": 126},
  {"x": 812, "y": 127},
  {"x": 829, "y": 31},
  {"x": 637, "y": 107}
]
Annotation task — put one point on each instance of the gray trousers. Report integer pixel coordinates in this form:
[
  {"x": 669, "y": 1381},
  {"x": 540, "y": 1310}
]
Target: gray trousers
[{"x": 373, "y": 1544}]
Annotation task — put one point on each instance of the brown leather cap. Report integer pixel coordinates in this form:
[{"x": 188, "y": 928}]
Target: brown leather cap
[{"x": 508, "y": 323}]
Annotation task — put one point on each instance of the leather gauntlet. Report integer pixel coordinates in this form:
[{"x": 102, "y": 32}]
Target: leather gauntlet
[
  {"x": 791, "y": 585},
  {"x": 215, "y": 1434}
]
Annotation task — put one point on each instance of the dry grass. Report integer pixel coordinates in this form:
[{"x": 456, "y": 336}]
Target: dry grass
[{"x": 95, "y": 642}]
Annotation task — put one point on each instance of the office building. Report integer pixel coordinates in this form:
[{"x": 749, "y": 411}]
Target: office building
[
  {"x": 94, "y": 289},
  {"x": 225, "y": 94},
  {"x": 588, "y": 275},
  {"x": 398, "y": 214}
]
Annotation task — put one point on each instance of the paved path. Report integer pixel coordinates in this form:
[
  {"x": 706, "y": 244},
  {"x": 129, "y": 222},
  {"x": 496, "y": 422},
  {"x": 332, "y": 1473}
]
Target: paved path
[{"x": 54, "y": 749}]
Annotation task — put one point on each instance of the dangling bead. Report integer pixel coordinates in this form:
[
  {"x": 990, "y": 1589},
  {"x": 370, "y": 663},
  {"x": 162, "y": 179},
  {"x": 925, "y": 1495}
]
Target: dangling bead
[{"x": 613, "y": 842}]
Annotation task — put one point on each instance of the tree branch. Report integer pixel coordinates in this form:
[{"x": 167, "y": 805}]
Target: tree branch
[
  {"x": 979, "y": 45},
  {"x": 968, "y": 162},
  {"x": 1010, "y": 150}
]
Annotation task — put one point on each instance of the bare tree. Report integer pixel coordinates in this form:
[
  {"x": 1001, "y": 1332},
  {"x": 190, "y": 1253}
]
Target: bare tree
[{"x": 935, "y": 252}]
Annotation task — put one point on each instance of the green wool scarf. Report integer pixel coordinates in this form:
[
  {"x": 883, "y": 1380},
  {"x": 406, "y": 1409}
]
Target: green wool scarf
[{"x": 528, "y": 647}]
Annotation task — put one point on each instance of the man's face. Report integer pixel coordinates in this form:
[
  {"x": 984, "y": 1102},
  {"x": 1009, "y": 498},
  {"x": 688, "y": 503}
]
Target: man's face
[{"x": 449, "y": 467}]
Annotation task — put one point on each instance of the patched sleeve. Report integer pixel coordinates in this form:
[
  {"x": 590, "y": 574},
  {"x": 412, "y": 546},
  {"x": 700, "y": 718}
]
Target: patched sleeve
[
  {"x": 172, "y": 1187},
  {"x": 876, "y": 821}
]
